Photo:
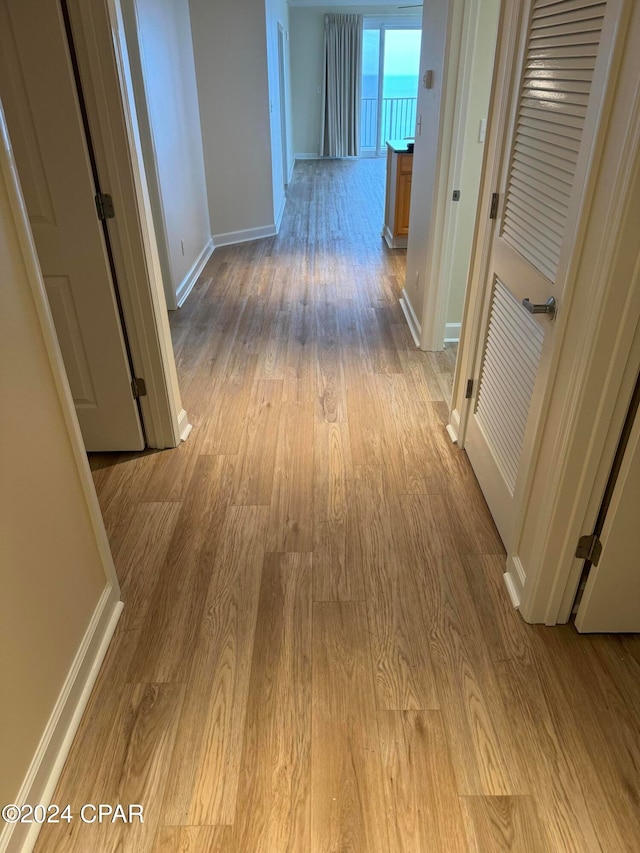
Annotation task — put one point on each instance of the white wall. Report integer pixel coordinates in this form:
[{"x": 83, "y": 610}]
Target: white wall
[
  {"x": 230, "y": 46},
  {"x": 426, "y": 155},
  {"x": 307, "y": 45},
  {"x": 55, "y": 567},
  {"x": 163, "y": 71}
]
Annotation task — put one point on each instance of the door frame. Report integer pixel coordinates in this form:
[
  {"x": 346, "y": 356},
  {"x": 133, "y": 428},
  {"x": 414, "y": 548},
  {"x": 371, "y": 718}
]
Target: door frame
[
  {"x": 585, "y": 401},
  {"x": 284, "y": 113},
  {"x": 428, "y": 325},
  {"x": 441, "y": 280},
  {"x": 384, "y": 23},
  {"x": 99, "y": 37}
]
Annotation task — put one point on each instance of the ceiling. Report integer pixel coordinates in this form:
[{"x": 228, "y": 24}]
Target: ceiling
[{"x": 397, "y": 5}]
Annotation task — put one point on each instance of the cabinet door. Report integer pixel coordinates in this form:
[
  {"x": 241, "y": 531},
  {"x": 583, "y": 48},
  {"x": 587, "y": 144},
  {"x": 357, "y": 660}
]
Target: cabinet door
[{"x": 403, "y": 203}]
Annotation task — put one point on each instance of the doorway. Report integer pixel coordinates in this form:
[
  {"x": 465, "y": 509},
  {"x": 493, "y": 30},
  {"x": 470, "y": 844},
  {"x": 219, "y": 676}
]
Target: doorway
[
  {"x": 453, "y": 107},
  {"x": 46, "y": 115},
  {"x": 390, "y": 71},
  {"x": 282, "y": 85}
]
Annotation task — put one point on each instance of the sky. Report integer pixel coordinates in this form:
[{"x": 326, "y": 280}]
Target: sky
[{"x": 402, "y": 52}]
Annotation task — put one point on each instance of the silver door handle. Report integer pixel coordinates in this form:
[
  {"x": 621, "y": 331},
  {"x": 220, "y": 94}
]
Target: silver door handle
[{"x": 549, "y": 307}]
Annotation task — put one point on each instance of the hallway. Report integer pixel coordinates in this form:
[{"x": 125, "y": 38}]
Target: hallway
[{"x": 317, "y": 653}]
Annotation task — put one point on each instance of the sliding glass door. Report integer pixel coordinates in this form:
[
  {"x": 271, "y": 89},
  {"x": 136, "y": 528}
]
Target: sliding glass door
[{"x": 390, "y": 70}]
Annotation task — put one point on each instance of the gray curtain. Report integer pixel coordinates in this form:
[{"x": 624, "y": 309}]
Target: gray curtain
[{"x": 342, "y": 86}]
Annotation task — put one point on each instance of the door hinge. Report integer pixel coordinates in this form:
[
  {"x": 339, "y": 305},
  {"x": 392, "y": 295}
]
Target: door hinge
[
  {"x": 589, "y": 548},
  {"x": 139, "y": 387},
  {"x": 468, "y": 394},
  {"x": 104, "y": 206},
  {"x": 493, "y": 213}
]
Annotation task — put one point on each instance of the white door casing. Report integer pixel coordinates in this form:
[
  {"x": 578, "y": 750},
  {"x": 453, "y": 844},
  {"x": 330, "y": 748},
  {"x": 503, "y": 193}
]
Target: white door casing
[
  {"x": 282, "y": 80},
  {"x": 39, "y": 95},
  {"x": 556, "y": 105},
  {"x": 611, "y": 598}
]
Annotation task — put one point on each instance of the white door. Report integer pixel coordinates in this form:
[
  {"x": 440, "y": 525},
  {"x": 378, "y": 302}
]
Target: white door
[
  {"x": 611, "y": 599},
  {"x": 38, "y": 92},
  {"x": 282, "y": 84},
  {"x": 559, "y": 79}
]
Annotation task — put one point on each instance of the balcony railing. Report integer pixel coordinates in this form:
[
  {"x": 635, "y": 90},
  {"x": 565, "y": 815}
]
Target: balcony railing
[{"x": 397, "y": 121}]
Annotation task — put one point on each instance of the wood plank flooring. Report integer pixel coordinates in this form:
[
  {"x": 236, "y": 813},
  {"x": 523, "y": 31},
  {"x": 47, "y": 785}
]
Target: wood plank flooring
[{"x": 316, "y": 652}]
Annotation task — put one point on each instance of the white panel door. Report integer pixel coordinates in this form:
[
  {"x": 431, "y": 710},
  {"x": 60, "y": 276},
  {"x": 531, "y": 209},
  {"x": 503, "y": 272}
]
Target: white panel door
[
  {"x": 39, "y": 95},
  {"x": 611, "y": 599},
  {"x": 555, "y": 107}
]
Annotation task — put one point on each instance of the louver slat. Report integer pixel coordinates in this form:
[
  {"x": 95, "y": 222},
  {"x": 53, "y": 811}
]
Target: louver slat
[
  {"x": 552, "y": 75},
  {"x": 545, "y": 7},
  {"x": 521, "y": 198},
  {"x": 563, "y": 42},
  {"x": 509, "y": 367},
  {"x": 543, "y": 145}
]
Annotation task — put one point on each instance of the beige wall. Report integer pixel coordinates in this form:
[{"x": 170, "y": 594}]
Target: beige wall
[
  {"x": 52, "y": 573},
  {"x": 163, "y": 71},
  {"x": 230, "y": 46},
  {"x": 307, "y": 44}
]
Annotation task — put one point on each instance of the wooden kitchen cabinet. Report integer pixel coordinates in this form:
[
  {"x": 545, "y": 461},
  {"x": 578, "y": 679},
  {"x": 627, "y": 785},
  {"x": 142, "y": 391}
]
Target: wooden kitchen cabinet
[{"x": 398, "y": 196}]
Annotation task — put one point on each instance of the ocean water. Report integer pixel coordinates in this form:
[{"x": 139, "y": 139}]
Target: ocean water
[{"x": 394, "y": 86}]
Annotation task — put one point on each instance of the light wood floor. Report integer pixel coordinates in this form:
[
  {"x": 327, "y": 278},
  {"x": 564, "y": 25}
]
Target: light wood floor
[{"x": 316, "y": 652}]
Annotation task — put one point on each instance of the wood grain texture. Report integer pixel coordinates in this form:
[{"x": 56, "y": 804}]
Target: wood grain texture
[
  {"x": 578, "y": 690},
  {"x": 205, "y": 768},
  {"x": 347, "y": 792},
  {"x": 228, "y": 406},
  {"x": 132, "y": 771},
  {"x": 170, "y": 628},
  {"x": 467, "y": 685},
  {"x": 257, "y": 457},
  {"x": 291, "y": 516},
  {"x": 330, "y": 378},
  {"x": 424, "y": 808},
  {"x": 336, "y": 577},
  {"x": 317, "y": 652},
  {"x": 403, "y": 671},
  {"x": 504, "y": 824},
  {"x": 79, "y": 776},
  {"x": 141, "y": 556},
  {"x": 192, "y": 839},
  {"x": 275, "y": 780},
  {"x": 550, "y": 758}
]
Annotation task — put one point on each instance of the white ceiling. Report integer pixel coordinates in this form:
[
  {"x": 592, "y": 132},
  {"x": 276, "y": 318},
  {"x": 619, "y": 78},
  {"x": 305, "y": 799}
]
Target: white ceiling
[{"x": 351, "y": 3}]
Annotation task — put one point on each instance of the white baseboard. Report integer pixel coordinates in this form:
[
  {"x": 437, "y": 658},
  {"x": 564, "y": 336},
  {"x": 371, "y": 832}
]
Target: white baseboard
[
  {"x": 230, "y": 238},
  {"x": 184, "y": 427},
  {"x": 186, "y": 285},
  {"x": 514, "y": 579},
  {"x": 307, "y": 157},
  {"x": 453, "y": 427},
  {"x": 281, "y": 214},
  {"x": 292, "y": 166},
  {"x": 393, "y": 242},
  {"x": 511, "y": 590},
  {"x": 410, "y": 316},
  {"x": 55, "y": 743},
  {"x": 452, "y": 333}
]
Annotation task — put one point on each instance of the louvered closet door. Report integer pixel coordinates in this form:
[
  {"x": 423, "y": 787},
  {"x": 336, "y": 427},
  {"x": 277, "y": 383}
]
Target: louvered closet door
[{"x": 562, "y": 63}]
